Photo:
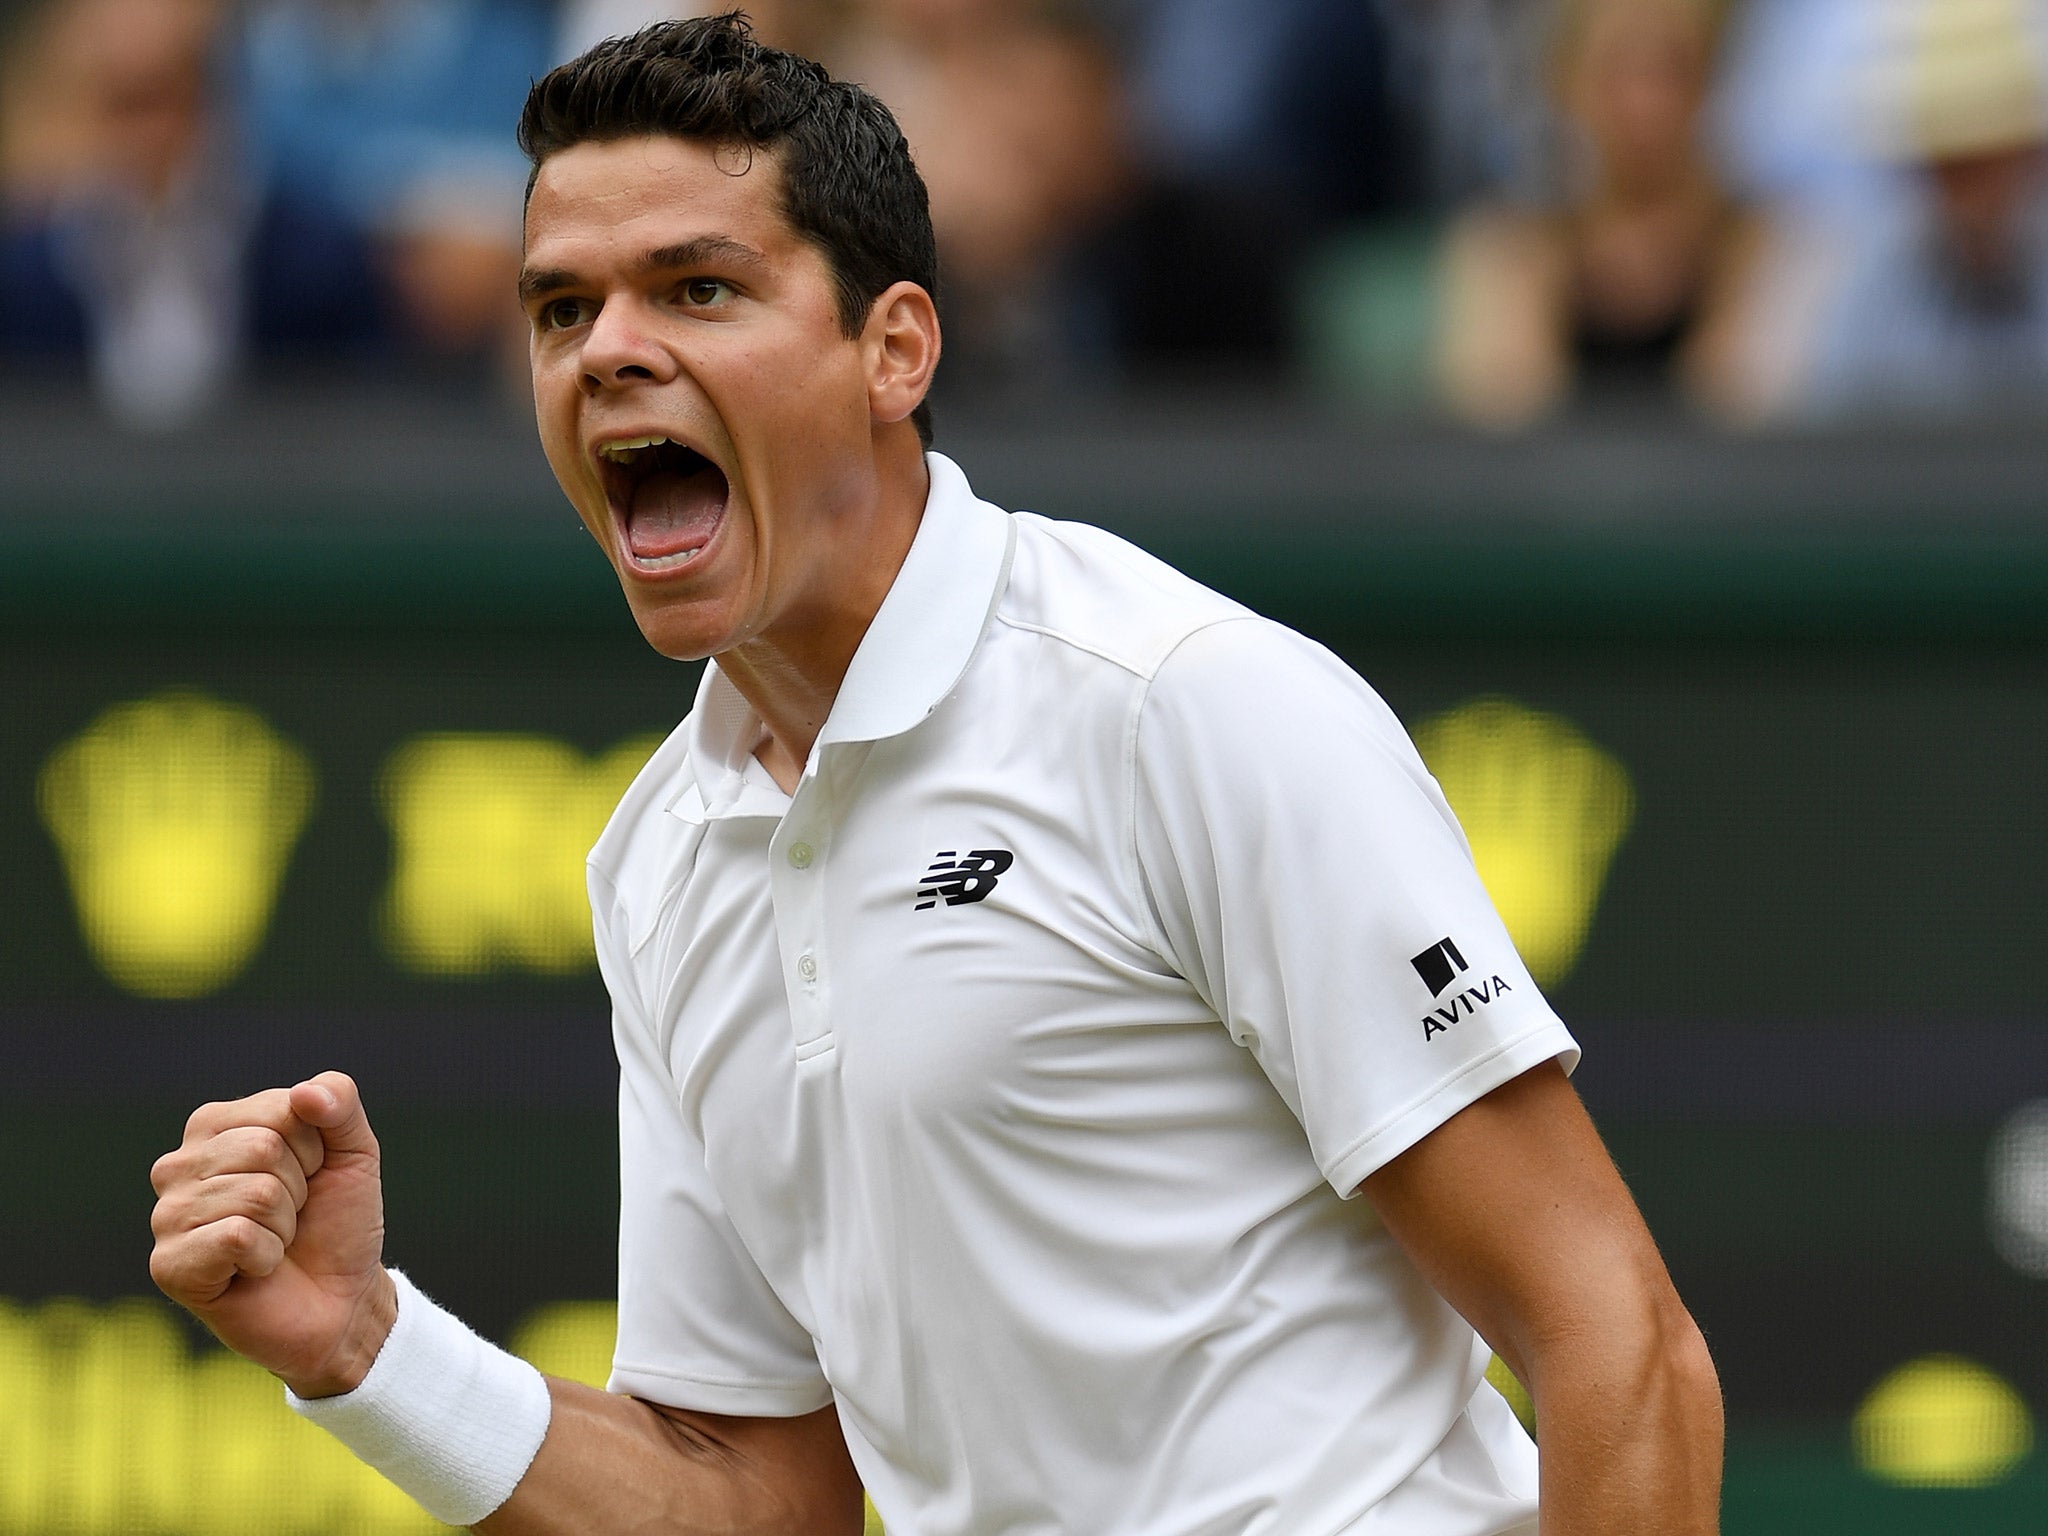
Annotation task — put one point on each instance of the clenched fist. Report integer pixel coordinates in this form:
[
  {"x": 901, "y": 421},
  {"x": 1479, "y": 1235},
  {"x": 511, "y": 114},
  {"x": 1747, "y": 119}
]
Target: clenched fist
[{"x": 269, "y": 1228}]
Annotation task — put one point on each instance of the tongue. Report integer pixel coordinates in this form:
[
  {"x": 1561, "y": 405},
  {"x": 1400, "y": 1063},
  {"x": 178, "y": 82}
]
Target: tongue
[{"x": 672, "y": 512}]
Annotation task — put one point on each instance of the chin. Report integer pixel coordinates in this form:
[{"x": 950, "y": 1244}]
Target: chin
[
  {"x": 676, "y": 644},
  {"x": 676, "y": 636}
]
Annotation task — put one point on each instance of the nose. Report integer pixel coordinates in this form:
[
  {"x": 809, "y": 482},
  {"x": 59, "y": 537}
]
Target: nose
[{"x": 621, "y": 351}]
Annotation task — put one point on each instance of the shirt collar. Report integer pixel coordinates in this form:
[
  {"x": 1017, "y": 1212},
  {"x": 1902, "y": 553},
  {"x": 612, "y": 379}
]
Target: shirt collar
[{"x": 912, "y": 655}]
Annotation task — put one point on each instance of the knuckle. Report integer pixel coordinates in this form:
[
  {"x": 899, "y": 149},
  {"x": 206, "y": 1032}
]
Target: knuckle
[
  {"x": 257, "y": 1249},
  {"x": 166, "y": 1172},
  {"x": 233, "y": 1149},
  {"x": 210, "y": 1121},
  {"x": 270, "y": 1203},
  {"x": 174, "y": 1267},
  {"x": 200, "y": 1123},
  {"x": 281, "y": 1156},
  {"x": 253, "y": 1197},
  {"x": 258, "y": 1146}
]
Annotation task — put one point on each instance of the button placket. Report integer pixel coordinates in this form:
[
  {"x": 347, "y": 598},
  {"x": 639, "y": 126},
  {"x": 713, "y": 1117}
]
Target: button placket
[{"x": 799, "y": 894}]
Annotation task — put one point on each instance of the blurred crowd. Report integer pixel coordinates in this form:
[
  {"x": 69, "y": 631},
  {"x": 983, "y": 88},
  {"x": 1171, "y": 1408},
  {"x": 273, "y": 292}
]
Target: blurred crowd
[{"x": 1757, "y": 211}]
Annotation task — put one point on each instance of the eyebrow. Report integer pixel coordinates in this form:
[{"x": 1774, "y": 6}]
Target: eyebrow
[{"x": 702, "y": 251}]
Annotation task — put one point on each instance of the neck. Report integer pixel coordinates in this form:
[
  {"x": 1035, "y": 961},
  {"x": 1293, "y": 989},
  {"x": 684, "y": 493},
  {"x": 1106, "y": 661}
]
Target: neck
[{"x": 792, "y": 676}]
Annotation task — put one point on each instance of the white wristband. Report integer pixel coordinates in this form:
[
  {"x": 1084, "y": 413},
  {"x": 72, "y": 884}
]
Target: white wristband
[{"x": 444, "y": 1413}]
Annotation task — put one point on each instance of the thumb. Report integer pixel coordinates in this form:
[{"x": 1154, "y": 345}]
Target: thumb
[{"x": 333, "y": 1106}]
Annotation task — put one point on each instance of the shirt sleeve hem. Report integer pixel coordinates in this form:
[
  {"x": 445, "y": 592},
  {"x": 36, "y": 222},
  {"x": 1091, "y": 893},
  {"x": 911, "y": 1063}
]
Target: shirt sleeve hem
[
  {"x": 702, "y": 1394},
  {"x": 1548, "y": 1041}
]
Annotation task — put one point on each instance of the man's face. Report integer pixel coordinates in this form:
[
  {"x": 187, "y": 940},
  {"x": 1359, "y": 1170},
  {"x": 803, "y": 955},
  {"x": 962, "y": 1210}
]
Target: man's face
[
  {"x": 697, "y": 399},
  {"x": 1637, "y": 86}
]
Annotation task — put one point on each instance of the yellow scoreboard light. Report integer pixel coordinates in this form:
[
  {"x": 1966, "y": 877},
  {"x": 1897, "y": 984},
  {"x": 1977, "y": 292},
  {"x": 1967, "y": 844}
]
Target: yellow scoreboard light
[
  {"x": 1545, "y": 810},
  {"x": 175, "y": 816},
  {"x": 1942, "y": 1422},
  {"x": 489, "y": 835},
  {"x": 109, "y": 1426}
]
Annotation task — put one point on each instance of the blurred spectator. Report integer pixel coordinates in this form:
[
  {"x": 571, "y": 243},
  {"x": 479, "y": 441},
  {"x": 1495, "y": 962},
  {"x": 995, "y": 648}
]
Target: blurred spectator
[
  {"x": 1933, "y": 303},
  {"x": 802, "y": 26},
  {"x": 1258, "y": 127},
  {"x": 1011, "y": 110},
  {"x": 1634, "y": 286},
  {"x": 134, "y": 237},
  {"x": 1793, "y": 118},
  {"x": 583, "y": 23},
  {"x": 1475, "y": 75},
  {"x": 401, "y": 112}
]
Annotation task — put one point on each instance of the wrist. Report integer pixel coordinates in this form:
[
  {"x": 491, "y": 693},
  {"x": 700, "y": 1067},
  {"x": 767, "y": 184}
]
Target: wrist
[
  {"x": 369, "y": 1326},
  {"x": 446, "y": 1415}
]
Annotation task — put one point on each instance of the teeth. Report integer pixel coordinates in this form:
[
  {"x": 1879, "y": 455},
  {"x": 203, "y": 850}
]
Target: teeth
[
  {"x": 624, "y": 449},
  {"x": 667, "y": 562}
]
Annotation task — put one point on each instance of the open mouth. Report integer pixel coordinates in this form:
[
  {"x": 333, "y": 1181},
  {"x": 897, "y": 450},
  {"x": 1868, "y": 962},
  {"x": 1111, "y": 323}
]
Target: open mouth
[{"x": 668, "y": 499}]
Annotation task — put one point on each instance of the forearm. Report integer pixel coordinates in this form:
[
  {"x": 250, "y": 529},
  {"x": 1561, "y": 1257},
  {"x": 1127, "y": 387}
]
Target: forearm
[
  {"x": 1631, "y": 1433},
  {"x": 479, "y": 1436},
  {"x": 614, "y": 1464}
]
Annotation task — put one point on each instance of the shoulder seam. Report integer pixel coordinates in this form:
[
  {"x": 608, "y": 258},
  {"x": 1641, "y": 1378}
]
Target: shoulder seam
[
  {"x": 1069, "y": 640},
  {"x": 1144, "y": 674},
  {"x": 1201, "y": 628}
]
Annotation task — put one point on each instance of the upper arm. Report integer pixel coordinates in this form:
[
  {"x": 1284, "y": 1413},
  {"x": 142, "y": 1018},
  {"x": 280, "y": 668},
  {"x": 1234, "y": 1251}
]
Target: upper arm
[
  {"x": 1309, "y": 881},
  {"x": 1514, "y": 1212}
]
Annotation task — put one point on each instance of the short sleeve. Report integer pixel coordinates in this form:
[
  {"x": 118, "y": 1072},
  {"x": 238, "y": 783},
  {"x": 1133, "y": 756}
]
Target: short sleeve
[
  {"x": 1310, "y": 881},
  {"x": 699, "y": 1326}
]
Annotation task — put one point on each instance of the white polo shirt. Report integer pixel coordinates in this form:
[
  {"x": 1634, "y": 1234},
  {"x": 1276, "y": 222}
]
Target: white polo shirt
[{"x": 1003, "y": 1085}]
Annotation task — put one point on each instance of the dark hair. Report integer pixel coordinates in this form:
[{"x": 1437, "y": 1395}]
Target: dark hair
[{"x": 848, "y": 185}]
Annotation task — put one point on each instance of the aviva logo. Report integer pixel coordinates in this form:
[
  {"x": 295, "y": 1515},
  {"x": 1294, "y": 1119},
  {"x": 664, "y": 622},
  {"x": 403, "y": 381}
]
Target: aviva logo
[{"x": 1463, "y": 1006}]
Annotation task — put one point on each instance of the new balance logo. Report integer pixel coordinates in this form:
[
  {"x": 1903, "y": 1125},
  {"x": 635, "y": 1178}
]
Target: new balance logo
[
  {"x": 1438, "y": 966},
  {"x": 957, "y": 880}
]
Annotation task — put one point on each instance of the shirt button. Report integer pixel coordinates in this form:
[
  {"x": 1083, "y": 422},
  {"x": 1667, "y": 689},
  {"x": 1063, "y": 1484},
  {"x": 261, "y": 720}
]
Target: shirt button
[
  {"x": 807, "y": 966},
  {"x": 801, "y": 854}
]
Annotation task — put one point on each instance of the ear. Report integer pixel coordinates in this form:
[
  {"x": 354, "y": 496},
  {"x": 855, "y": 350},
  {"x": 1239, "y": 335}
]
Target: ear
[{"x": 900, "y": 351}]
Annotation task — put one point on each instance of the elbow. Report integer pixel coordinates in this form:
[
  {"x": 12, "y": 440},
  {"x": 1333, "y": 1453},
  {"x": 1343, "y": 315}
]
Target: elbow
[
  {"x": 1663, "y": 1372},
  {"x": 1630, "y": 1421},
  {"x": 1643, "y": 1350},
  {"x": 1684, "y": 1369},
  {"x": 1682, "y": 1427}
]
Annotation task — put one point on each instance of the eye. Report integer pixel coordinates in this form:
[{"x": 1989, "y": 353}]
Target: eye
[
  {"x": 704, "y": 291},
  {"x": 563, "y": 314}
]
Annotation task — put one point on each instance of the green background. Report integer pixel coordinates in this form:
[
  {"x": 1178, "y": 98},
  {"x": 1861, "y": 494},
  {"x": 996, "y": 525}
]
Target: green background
[{"x": 1811, "y": 992}]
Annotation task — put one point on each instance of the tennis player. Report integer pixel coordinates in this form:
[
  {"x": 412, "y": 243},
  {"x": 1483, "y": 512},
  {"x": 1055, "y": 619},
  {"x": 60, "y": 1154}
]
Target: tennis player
[{"x": 1073, "y": 1082}]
